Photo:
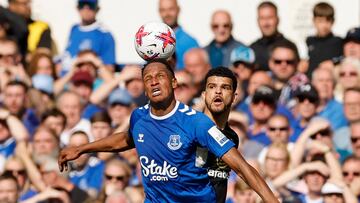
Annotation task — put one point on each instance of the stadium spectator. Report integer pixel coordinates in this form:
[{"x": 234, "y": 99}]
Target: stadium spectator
[
  {"x": 324, "y": 39},
  {"x": 45, "y": 144},
  {"x": 119, "y": 106},
  {"x": 352, "y": 43},
  {"x": 9, "y": 189},
  {"x": 69, "y": 103},
  {"x": 54, "y": 119},
  {"x": 243, "y": 193},
  {"x": 89, "y": 34},
  {"x": 87, "y": 169},
  {"x": 117, "y": 174},
  {"x": 219, "y": 49},
  {"x": 10, "y": 63},
  {"x": 242, "y": 59},
  {"x": 41, "y": 63},
  {"x": 355, "y": 138},
  {"x": 268, "y": 22},
  {"x": 324, "y": 82},
  {"x": 337, "y": 191},
  {"x": 262, "y": 107},
  {"x": 169, "y": 12},
  {"x": 39, "y": 31},
  {"x": 12, "y": 131},
  {"x": 197, "y": 63},
  {"x": 348, "y": 76},
  {"x": 185, "y": 90},
  {"x": 41, "y": 96},
  {"x": 307, "y": 101},
  {"x": 351, "y": 173}
]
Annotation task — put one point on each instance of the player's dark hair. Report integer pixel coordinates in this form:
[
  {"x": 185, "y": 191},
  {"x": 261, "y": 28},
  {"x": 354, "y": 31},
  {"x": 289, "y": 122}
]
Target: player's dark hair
[
  {"x": 162, "y": 61},
  {"x": 223, "y": 72}
]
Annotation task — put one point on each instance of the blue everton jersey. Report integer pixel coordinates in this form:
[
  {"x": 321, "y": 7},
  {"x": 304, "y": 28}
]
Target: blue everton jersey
[
  {"x": 168, "y": 148},
  {"x": 94, "y": 37}
]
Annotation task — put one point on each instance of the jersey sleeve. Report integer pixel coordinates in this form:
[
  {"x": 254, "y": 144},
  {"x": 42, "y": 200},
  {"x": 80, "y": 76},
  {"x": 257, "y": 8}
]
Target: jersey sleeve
[{"x": 208, "y": 135}]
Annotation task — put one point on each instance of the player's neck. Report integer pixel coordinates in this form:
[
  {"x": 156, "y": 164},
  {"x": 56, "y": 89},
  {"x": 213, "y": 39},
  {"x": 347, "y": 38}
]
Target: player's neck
[
  {"x": 163, "y": 108},
  {"x": 220, "y": 119}
]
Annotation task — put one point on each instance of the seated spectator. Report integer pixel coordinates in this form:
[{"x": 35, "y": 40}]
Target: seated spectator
[
  {"x": 10, "y": 64},
  {"x": 69, "y": 103},
  {"x": 337, "y": 191},
  {"x": 16, "y": 167},
  {"x": 12, "y": 131},
  {"x": 262, "y": 107},
  {"x": 243, "y": 193},
  {"x": 352, "y": 114},
  {"x": 45, "y": 144},
  {"x": 307, "y": 101},
  {"x": 242, "y": 59},
  {"x": 54, "y": 119},
  {"x": 41, "y": 63},
  {"x": 185, "y": 90},
  {"x": 9, "y": 190},
  {"x": 86, "y": 169},
  {"x": 101, "y": 128},
  {"x": 351, "y": 174},
  {"x": 324, "y": 82},
  {"x": 355, "y": 138},
  {"x": 348, "y": 76},
  {"x": 351, "y": 46},
  {"x": 120, "y": 106},
  {"x": 278, "y": 130},
  {"x": 41, "y": 96},
  {"x": 117, "y": 174},
  {"x": 15, "y": 97}
]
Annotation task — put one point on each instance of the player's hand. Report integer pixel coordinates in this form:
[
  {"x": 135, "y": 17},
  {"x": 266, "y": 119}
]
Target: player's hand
[{"x": 67, "y": 154}]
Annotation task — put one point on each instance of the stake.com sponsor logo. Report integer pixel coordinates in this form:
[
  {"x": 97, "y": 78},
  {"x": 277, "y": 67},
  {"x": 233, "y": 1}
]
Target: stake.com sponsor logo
[{"x": 157, "y": 172}]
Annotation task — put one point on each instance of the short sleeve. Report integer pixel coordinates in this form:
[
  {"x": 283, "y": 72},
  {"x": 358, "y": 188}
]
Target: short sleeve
[{"x": 208, "y": 135}]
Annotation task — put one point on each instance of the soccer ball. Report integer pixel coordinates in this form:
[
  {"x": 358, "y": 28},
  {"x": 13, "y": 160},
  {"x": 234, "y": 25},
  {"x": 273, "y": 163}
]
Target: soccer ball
[{"x": 155, "y": 40}]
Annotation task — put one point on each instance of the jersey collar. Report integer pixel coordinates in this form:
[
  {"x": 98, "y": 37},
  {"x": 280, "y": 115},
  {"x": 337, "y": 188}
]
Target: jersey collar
[{"x": 172, "y": 112}]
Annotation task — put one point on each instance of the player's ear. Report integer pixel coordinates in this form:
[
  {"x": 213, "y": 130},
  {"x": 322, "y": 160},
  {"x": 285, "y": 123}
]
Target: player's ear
[
  {"x": 203, "y": 95},
  {"x": 235, "y": 97},
  {"x": 174, "y": 83}
]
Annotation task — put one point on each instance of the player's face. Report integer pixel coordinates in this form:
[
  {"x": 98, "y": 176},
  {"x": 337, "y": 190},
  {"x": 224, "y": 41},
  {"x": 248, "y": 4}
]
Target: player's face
[
  {"x": 159, "y": 83},
  {"x": 219, "y": 94}
]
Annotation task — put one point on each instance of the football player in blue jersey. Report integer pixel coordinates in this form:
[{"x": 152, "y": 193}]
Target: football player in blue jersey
[
  {"x": 168, "y": 136},
  {"x": 219, "y": 95}
]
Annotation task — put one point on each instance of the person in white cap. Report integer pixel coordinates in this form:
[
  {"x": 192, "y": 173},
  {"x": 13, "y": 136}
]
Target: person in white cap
[{"x": 335, "y": 191}]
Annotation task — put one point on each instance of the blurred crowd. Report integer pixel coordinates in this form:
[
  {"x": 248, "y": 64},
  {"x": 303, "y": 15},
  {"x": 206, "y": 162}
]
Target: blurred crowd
[{"x": 298, "y": 119}]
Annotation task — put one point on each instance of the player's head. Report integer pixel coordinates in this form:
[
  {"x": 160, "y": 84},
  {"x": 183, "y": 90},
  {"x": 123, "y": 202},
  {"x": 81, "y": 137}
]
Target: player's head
[
  {"x": 220, "y": 89},
  {"x": 159, "y": 81}
]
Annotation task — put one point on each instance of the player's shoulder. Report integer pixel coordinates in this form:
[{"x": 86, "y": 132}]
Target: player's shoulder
[
  {"x": 191, "y": 115},
  {"x": 142, "y": 110}
]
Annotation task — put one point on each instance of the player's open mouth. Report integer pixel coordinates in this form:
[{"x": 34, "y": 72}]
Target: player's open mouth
[
  {"x": 156, "y": 92},
  {"x": 218, "y": 100}
]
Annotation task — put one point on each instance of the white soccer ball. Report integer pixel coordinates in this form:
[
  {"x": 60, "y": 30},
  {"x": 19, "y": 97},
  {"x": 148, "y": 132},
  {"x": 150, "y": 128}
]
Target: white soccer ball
[{"x": 155, "y": 40}]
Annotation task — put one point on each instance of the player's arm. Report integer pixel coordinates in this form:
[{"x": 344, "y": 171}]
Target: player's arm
[
  {"x": 116, "y": 142},
  {"x": 249, "y": 174}
]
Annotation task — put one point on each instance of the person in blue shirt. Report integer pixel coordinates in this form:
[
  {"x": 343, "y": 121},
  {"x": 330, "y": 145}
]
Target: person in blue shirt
[
  {"x": 220, "y": 48},
  {"x": 89, "y": 35},
  {"x": 169, "y": 11},
  {"x": 168, "y": 136}
]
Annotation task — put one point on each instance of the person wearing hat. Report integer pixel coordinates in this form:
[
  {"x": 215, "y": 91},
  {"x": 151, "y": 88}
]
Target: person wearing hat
[
  {"x": 335, "y": 191},
  {"x": 120, "y": 106},
  {"x": 243, "y": 63},
  {"x": 89, "y": 34},
  {"x": 307, "y": 101},
  {"x": 82, "y": 83},
  {"x": 351, "y": 46},
  {"x": 262, "y": 107}
]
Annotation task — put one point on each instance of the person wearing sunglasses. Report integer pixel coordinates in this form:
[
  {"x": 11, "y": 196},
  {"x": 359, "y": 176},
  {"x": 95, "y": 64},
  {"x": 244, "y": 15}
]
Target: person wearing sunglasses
[
  {"x": 355, "y": 138},
  {"x": 219, "y": 49},
  {"x": 283, "y": 62},
  {"x": 86, "y": 35},
  {"x": 351, "y": 174},
  {"x": 348, "y": 76},
  {"x": 307, "y": 100}
]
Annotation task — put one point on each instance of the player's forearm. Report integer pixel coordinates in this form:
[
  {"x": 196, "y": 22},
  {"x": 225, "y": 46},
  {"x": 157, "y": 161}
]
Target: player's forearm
[
  {"x": 116, "y": 142},
  {"x": 250, "y": 175}
]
